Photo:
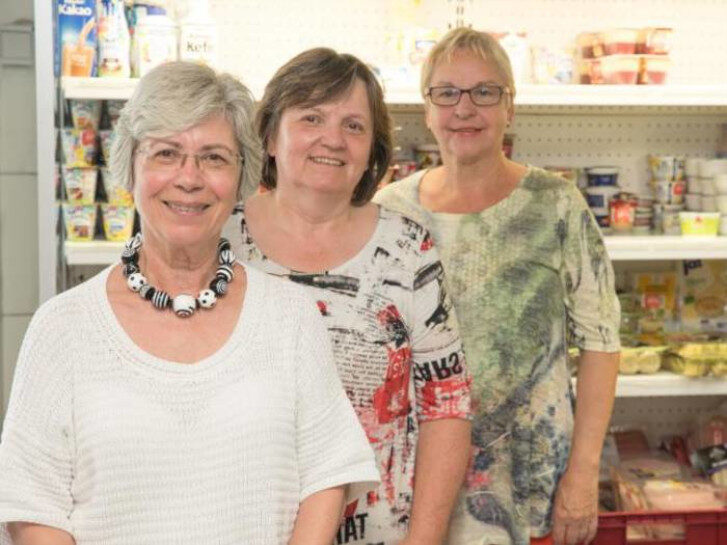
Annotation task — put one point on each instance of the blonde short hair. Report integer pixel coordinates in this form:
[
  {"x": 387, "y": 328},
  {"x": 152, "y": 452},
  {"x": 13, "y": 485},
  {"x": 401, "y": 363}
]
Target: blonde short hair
[
  {"x": 176, "y": 96},
  {"x": 481, "y": 44}
]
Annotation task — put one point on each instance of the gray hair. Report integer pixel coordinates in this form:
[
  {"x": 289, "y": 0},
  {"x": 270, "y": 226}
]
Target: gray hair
[{"x": 176, "y": 96}]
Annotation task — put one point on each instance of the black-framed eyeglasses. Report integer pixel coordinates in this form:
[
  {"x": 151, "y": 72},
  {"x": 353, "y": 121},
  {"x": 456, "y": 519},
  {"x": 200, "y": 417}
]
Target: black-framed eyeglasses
[{"x": 487, "y": 94}]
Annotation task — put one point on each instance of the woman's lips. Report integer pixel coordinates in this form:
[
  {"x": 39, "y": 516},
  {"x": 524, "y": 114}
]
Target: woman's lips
[{"x": 186, "y": 209}]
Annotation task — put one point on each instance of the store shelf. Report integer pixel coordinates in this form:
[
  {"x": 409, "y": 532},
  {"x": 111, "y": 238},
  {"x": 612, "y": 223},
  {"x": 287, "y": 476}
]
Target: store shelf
[
  {"x": 665, "y": 384},
  {"x": 98, "y": 88},
  {"x": 527, "y": 94},
  {"x": 96, "y": 252},
  {"x": 655, "y": 248}
]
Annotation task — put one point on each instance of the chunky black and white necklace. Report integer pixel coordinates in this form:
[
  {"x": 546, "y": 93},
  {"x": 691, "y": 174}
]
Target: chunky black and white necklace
[{"x": 183, "y": 304}]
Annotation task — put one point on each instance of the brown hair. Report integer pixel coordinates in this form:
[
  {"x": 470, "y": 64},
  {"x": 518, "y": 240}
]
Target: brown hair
[
  {"x": 482, "y": 44},
  {"x": 312, "y": 78}
]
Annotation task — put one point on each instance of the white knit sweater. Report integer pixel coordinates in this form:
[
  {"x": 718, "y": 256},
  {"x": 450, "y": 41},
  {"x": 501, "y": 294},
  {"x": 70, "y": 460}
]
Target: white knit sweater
[{"x": 117, "y": 446}]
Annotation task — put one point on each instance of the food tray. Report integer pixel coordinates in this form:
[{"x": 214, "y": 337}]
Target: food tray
[{"x": 700, "y": 527}]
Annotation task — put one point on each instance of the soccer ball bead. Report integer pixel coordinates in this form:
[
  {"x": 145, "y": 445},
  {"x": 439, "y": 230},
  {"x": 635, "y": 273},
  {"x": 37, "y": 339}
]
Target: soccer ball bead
[{"x": 207, "y": 298}]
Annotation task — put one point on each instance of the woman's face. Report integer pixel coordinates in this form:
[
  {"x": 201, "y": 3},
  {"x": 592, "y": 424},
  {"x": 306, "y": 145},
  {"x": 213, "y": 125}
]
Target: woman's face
[
  {"x": 186, "y": 203},
  {"x": 324, "y": 148},
  {"x": 466, "y": 132}
]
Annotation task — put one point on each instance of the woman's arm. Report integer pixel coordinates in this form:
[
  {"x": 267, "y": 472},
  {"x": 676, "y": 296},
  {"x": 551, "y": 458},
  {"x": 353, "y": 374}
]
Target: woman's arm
[
  {"x": 319, "y": 516},
  {"x": 575, "y": 514},
  {"x": 441, "y": 463},
  {"x": 25, "y": 533}
]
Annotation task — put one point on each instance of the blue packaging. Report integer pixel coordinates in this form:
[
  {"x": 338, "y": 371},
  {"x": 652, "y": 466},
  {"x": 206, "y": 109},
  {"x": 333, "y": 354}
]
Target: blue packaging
[{"x": 77, "y": 37}]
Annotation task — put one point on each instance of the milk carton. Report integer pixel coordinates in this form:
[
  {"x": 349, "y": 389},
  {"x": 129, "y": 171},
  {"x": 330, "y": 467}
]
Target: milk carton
[{"x": 77, "y": 37}]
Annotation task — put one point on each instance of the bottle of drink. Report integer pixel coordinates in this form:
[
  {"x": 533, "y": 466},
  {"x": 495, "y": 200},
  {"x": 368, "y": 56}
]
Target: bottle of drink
[
  {"x": 113, "y": 40},
  {"x": 198, "y": 35}
]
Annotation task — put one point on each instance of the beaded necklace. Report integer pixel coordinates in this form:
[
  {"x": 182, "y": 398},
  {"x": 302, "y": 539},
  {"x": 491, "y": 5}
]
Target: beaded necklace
[{"x": 183, "y": 304}]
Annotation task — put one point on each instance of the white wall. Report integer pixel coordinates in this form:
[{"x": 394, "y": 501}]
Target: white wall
[{"x": 18, "y": 189}]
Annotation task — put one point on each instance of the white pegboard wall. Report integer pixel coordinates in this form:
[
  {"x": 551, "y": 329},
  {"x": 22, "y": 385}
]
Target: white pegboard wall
[{"x": 663, "y": 416}]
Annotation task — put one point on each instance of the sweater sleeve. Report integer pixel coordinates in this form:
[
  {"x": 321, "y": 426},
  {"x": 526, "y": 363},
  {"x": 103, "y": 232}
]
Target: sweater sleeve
[
  {"x": 36, "y": 447},
  {"x": 592, "y": 307},
  {"x": 441, "y": 379},
  {"x": 332, "y": 447}
]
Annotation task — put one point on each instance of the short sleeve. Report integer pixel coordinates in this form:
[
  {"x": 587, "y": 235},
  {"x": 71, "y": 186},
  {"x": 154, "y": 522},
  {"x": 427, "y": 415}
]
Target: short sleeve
[
  {"x": 441, "y": 379},
  {"x": 36, "y": 445},
  {"x": 332, "y": 446},
  {"x": 592, "y": 307}
]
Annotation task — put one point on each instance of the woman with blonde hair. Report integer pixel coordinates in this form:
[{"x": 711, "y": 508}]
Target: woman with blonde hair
[
  {"x": 179, "y": 396},
  {"x": 527, "y": 270}
]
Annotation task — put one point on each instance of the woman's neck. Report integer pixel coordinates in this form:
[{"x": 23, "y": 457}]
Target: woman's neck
[
  {"x": 467, "y": 187},
  {"x": 308, "y": 213},
  {"x": 177, "y": 270}
]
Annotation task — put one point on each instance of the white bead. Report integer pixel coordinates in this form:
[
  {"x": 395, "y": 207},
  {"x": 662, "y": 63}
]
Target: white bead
[
  {"x": 136, "y": 281},
  {"x": 184, "y": 305},
  {"x": 207, "y": 298}
]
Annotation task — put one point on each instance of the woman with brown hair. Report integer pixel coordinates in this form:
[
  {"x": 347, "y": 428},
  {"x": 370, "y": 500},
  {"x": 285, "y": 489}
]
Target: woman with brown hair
[{"x": 377, "y": 282}]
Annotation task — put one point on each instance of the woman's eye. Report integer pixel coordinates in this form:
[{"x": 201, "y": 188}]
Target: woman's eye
[
  {"x": 166, "y": 154},
  {"x": 215, "y": 159},
  {"x": 484, "y": 91},
  {"x": 356, "y": 127},
  {"x": 312, "y": 118}
]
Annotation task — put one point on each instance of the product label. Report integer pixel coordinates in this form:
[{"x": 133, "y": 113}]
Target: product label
[{"x": 77, "y": 37}]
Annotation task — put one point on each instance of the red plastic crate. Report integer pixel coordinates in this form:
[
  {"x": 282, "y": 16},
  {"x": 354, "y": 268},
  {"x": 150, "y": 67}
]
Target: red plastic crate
[{"x": 700, "y": 527}]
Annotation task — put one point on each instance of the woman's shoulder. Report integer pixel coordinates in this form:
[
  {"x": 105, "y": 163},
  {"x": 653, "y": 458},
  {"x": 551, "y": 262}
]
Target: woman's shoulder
[
  {"x": 281, "y": 298},
  {"x": 73, "y": 302},
  {"x": 403, "y": 196},
  {"x": 540, "y": 180}
]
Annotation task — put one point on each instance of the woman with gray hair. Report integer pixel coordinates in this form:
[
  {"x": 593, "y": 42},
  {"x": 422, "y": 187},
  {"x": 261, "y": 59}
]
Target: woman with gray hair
[{"x": 179, "y": 396}]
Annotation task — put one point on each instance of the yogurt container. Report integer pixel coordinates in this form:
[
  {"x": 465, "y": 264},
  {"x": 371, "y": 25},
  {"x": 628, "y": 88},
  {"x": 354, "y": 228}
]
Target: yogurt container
[
  {"x": 667, "y": 192},
  {"x": 118, "y": 221},
  {"x": 79, "y": 147},
  {"x": 79, "y": 221},
  {"x": 599, "y": 196},
  {"x": 116, "y": 192},
  {"x": 106, "y": 137},
  {"x": 602, "y": 176},
  {"x": 85, "y": 114},
  {"x": 80, "y": 184}
]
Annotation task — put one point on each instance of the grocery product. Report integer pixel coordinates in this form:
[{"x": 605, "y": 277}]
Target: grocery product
[
  {"x": 620, "y": 69},
  {"x": 654, "y": 41},
  {"x": 198, "y": 35},
  {"x": 667, "y": 167},
  {"x": 619, "y": 41},
  {"x": 113, "y": 40},
  {"x": 699, "y": 223},
  {"x": 118, "y": 221},
  {"x": 703, "y": 295},
  {"x": 79, "y": 221},
  {"x": 80, "y": 184},
  {"x": 643, "y": 359},
  {"x": 654, "y": 69},
  {"x": 154, "y": 41},
  {"x": 622, "y": 209},
  {"x": 79, "y": 147},
  {"x": 113, "y": 109},
  {"x": 85, "y": 114},
  {"x": 106, "y": 137},
  {"x": 116, "y": 192},
  {"x": 78, "y": 39},
  {"x": 427, "y": 156},
  {"x": 669, "y": 192}
]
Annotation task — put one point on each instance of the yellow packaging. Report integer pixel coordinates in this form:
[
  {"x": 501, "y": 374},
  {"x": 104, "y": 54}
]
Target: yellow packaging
[{"x": 703, "y": 295}]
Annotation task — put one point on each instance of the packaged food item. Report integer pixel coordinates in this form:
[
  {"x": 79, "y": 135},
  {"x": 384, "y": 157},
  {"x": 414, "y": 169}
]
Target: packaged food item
[
  {"x": 622, "y": 208},
  {"x": 198, "y": 35},
  {"x": 118, "y": 221},
  {"x": 620, "y": 69},
  {"x": 427, "y": 156},
  {"x": 79, "y": 221},
  {"x": 113, "y": 40},
  {"x": 116, "y": 192},
  {"x": 667, "y": 168},
  {"x": 79, "y": 147},
  {"x": 643, "y": 359},
  {"x": 703, "y": 295},
  {"x": 154, "y": 41},
  {"x": 85, "y": 114},
  {"x": 552, "y": 66},
  {"x": 605, "y": 175},
  {"x": 619, "y": 41},
  {"x": 669, "y": 192},
  {"x": 668, "y": 218},
  {"x": 585, "y": 43},
  {"x": 654, "y": 41},
  {"x": 508, "y": 144},
  {"x": 80, "y": 184},
  {"x": 598, "y": 198},
  {"x": 106, "y": 136},
  {"x": 517, "y": 47},
  {"x": 687, "y": 360},
  {"x": 656, "y": 294},
  {"x": 113, "y": 110},
  {"x": 654, "y": 69},
  {"x": 78, "y": 39},
  {"x": 699, "y": 223}
]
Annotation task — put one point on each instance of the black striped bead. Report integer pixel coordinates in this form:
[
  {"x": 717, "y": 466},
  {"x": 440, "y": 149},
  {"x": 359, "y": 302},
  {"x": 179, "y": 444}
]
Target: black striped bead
[
  {"x": 134, "y": 243},
  {"x": 129, "y": 269},
  {"x": 225, "y": 272},
  {"x": 129, "y": 255},
  {"x": 227, "y": 257},
  {"x": 223, "y": 245},
  {"x": 160, "y": 299},
  {"x": 147, "y": 291},
  {"x": 219, "y": 286}
]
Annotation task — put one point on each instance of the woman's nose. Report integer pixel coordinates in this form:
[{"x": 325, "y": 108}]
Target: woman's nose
[
  {"x": 333, "y": 136},
  {"x": 465, "y": 107},
  {"x": 189, "y": 177}
]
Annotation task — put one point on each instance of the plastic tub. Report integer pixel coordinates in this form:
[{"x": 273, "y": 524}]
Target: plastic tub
[
  {"x": 620, "y": 69},
  {"x": 620, "y": 41},
  {"x": 654, "y": 70},
  {"x": 700, "y": 527},
  {"x": 699, "y": 223},
  {"x": 654, "y": 41},
  {"x": 602, "y": 176}
]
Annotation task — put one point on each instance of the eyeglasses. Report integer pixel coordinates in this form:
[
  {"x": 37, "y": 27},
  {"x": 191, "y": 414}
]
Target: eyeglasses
[
  {"x": 216, "y": 161},
  {"x": 487, "y": 94}
]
